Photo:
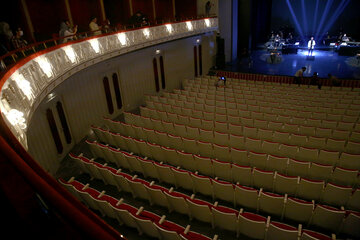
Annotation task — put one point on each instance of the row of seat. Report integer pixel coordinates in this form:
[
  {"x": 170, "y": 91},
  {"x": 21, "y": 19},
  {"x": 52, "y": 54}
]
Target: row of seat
[
  {"x": 219, "y": 145},
  {"x": 144, "y": 221},
  {"x": 262, "y": 81},
  {"x": 312, "y": 104},
  {"x": 267, "y": 104},
  {"x": 197, "y": 128},
  {"x": 265, "y": 161},
  {"x": 292, "y": 89},
  {"x": 270, "y": 181},
  {"x": 323, "y": 216},
  {"x": 284, "y": 115},
  {"x": 255, "y": 118}
]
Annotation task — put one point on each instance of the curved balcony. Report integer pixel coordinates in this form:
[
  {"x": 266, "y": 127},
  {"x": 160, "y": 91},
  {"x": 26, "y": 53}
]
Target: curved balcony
[{"x": 31, "y": 80}]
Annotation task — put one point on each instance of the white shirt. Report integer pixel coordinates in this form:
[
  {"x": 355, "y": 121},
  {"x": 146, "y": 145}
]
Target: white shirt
[
  {"x": 94, "y": 27},
  {"x": 311, "y": 44}
]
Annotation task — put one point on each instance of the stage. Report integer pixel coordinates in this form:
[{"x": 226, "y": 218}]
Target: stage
[{"x": 325, "y": 61}]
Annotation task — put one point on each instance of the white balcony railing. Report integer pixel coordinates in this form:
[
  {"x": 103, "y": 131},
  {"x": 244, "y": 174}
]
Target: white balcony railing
[{"x": 26, "y": 84}]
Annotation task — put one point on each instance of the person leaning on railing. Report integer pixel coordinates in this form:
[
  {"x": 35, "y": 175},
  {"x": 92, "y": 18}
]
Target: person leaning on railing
[{"x": 17, "y": 40}]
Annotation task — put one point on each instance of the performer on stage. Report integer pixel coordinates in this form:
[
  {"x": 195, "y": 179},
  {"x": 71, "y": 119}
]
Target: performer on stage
[{"x": 311, "y": 45}]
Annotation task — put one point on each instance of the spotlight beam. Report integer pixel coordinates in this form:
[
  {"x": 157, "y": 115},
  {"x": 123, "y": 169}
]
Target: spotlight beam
[
  {"x": 295, "y": 19},
  {"x": 335, "y": 16},
  {"x": 315, "y": 17},
  {"x": 325, "y": 13},
  {"x": 304, "y": 17}
]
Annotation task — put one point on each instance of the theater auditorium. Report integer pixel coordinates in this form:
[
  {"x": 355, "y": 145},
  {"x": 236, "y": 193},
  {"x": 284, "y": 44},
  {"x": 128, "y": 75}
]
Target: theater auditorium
[{"x": 180, "y": 119}]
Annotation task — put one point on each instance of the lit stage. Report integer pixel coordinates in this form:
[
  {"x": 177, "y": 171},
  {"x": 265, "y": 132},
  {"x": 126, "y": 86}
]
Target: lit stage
[{"x": 324, "y": 62}]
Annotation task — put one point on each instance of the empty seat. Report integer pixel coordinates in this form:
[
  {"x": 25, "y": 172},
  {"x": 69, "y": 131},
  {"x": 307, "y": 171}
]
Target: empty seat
[
  {"x": 323, "y": 132},
  {"x": 354, "y": 201},
  {"x": 222, "y": 170},
  {"x": 263, "y": 179},
  {"x": 346, "y": 177},
  {"x": 190, "y": 146},
  {"x": 281, "y": 137},
  {"x": 223, "y": 190},
  {"x": 335, "y": 145},
  {"x": 205, "y": 149},
  {"x": 225, "y": 218},
  {"x": 241, "y": 174},
  {"x": 299, "y": 140},
  {"x": 237, "y": 141},
  {"x": 246, "y": 197},
  {"x": 183, "y": 179},
  {"x": 351, "y": 225},
  {"x": 265, "y": 134},
  {"x": 327, "y": 217},
  {"x": 239, "y": 156},
  {"x": 352, "y": 147},
  {"x": 286, "y": 150},
  {"x": 271, "y": 203},
  {"x": 270, "y": 147},
  {"x": 285, "y": 184},
  {"x": 310, "y": 189},
  {"x": 186, "y": 160},
  {"x": 204, "y": 165},
  {"x": 320, "y": 171},
  {"x": 252, "y": 144},
  {"x": 278, "y": 164},
  {"x": 199, "y": 210},
  {"x": 308, "y": 154},
  {"x": 252, "y": 225},
  {"x": 298, "y": 210},
  {"x": 258, "y": 160},
  {"x": 250, "y": 131},
  {"x": 278, "y": 230},
  {"x": 312, "y": 235},
  {"x": 328, "y": 157},
  {"x": 336, "y": 195},
  {"x": 202, "y": 184},
  {"x": 221, "y": 138},
  {"x": 348, "y": 160}
]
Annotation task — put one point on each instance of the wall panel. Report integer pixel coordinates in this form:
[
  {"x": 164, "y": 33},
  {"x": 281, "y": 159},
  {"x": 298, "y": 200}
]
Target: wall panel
[
  {"x": 83, "y": 96},
  {"x": 46, "y": 17}
]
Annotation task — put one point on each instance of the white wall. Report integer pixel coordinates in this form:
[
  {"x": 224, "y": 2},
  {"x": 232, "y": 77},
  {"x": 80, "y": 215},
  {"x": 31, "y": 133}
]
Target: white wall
[{"x": 83, "y": 96}]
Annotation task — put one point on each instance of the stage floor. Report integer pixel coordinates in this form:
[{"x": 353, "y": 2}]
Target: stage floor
[{"x": 325, "y": 62}]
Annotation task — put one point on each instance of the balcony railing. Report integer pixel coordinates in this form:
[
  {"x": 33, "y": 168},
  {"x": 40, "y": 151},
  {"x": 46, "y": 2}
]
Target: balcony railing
[{"x": 31, "y": 79}]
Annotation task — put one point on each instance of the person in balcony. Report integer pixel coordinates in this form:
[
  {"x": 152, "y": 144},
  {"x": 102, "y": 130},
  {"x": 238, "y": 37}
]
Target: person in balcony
[
  {"x": 67, "y": 31},
  {"x": 94, "y": 27},
  {"x": 17, "y": 40}
]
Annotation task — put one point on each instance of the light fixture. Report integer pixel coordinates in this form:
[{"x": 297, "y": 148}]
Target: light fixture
[
  {"x": 16, "y": 117},
  {"x": 158, "y": 51},
  {"x": 169, "y": 28},
  {"x": 198, "y": 40},
  {"x": 207, "y": 22},
  {"x": 122, "y": 38},
  {"x": 69, "y": 51},
  {"x": 189, "y": 25},
  {"x": 95, "y": 44},
  {"x": 146, "y": 32},
  {"x": 23, "y": 85},
  {"x": 44, "y": 65}
]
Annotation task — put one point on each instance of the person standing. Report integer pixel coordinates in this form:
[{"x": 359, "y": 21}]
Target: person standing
[
  {"x": 311, "y": 45},
  {"x": 299, "y": 75},
  {"x": 208, "y": 8}
]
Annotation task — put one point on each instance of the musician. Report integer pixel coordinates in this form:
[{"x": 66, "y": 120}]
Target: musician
[
  {"x": 277, "y": 40},
  {"x": 311, "y": 45},
  {"x": 345, "y": 38}
]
